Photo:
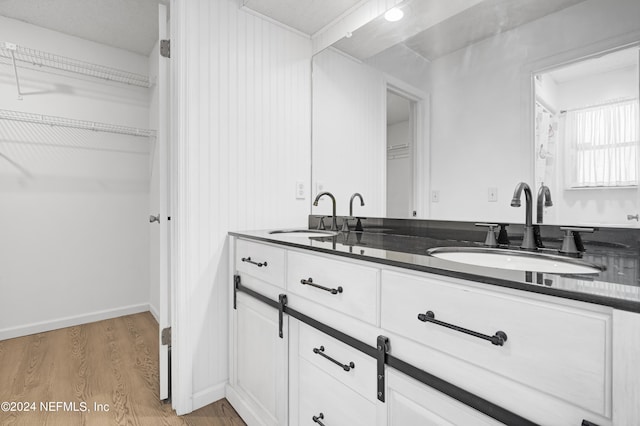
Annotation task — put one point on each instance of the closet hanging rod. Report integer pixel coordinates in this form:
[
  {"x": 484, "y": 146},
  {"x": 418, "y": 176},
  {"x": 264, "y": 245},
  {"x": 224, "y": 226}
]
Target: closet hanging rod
[
  {"x": 36, "y": 59},
  {"x": 51, "y": 120}
]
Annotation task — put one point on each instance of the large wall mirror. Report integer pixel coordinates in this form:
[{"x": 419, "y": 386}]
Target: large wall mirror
[{"x": 440, "y": 114}]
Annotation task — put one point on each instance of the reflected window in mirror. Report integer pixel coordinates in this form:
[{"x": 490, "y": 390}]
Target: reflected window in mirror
[
  {"x": 586, "y": 115},
  {"x": 586, "y": 123}
]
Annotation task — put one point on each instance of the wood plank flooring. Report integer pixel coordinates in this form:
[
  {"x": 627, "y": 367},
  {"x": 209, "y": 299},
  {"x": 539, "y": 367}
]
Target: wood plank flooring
[{"x": 113, "y": 363}]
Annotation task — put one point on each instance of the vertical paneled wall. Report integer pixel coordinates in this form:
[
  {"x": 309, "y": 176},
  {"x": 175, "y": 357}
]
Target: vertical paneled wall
[{"x": 242, "y": 141}]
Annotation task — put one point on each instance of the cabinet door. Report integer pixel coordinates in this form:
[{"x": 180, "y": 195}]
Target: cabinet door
[
  {"x": 411, "y": 403},
  {"x": 261, "y": 361}
]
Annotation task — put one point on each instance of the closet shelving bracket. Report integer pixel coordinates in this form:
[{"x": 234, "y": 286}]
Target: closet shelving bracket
[{"x": 24, "y": 57}]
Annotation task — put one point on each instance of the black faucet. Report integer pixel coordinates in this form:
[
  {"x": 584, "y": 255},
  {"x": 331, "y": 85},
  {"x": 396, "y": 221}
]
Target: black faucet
[
  {"x": 351, "y": 203},
  {"x": 528, "y": 240},
  {"x": 543, "y": 194},
  {"x": 334, "y": 223},
  {"x": 359, "y": 223}
]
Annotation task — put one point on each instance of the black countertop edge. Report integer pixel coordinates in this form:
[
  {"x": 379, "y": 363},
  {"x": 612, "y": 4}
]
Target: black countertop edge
[{"x": 621, "y": 304}]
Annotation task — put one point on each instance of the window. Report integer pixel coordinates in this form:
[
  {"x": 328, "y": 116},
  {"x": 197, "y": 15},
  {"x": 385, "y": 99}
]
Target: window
[{"x": 602, "y": 145}]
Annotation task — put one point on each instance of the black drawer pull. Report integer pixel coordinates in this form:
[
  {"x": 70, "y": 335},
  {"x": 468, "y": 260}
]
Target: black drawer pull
[
  {"x": 258, "y": 264},
  {"x": 497, "y": 339},
  {"x": 345, "y": 367},
  {"x": 317, "y": 419},
  {"x": 588, "y": 423},
  {"x": 310, "y": 282}
]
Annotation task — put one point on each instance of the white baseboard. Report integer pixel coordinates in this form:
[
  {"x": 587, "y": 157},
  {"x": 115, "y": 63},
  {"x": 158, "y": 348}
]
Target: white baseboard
[
  {"x": 208, "y": 395},
  {"x": 154, "y": 312},
  {"x": 55, "y": 324}
]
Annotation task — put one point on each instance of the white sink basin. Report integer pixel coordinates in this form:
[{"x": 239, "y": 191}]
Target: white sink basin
[
  {"x": 515, "y": 260},
  {"x": 303, "y": 233}
]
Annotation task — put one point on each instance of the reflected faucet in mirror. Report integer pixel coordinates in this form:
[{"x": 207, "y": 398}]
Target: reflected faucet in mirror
[
  {"x": 334, "y": 223},
  {"x": 359, "y": 223},
  {"x": 528, "y": 241},
  {"x": 544, "y": 195}
]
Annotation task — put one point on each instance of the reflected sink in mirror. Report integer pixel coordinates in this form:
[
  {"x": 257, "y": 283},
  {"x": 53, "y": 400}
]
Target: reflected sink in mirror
[
  {"x": 303, "y": 233},
  {"x": 515, "y": 260}
]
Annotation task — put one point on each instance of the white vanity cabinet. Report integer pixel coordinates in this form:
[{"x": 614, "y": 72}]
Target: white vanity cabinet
[
  {"x": 410, "y": 403},
  {"x": 258, "y": 356},
  {"x": 331, "y": 384},
  {"x": 556, "y": 362}
]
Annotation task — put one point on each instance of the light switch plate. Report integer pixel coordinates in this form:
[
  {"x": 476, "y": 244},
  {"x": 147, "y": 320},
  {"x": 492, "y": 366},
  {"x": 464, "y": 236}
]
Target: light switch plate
[
  {"x": 300, "y": 190},
  {"x": 435, "y": 196},
  {"x": 492, "y": 194}
]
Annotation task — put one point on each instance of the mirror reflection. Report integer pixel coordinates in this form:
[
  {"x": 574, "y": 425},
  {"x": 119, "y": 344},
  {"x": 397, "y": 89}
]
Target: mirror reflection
[{"x": 476, "y": 79}]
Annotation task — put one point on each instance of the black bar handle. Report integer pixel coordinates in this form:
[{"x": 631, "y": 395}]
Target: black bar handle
[
  {"x": 345, "y": 367},
  {"x": 317, "y": 419},
  {"x": 309, "y": 281},
  {"x": 258, "y": 264},
  {"x": 497, "y": 339},
  {"x": 588, "y": 423}
]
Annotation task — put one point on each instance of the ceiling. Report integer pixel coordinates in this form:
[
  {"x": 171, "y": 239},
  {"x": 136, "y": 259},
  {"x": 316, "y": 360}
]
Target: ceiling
[
  {"x": 126, "y": 24},
  {"x": 434, "y": 28},
  {"x": 307, "y": 16}
]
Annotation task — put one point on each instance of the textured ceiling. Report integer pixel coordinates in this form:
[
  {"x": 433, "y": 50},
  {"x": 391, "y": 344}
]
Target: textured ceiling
[
  {"x": 307, "y": 16},
  {"x": 126, "y": 24}
]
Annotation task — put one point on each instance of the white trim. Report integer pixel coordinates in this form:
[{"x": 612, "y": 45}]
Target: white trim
[
  {"x": 55, "y": 324},
  {"x": 154, "y": 312},
  {"x": 209, "y": 395},
  {"x": 181, "y": 350}
]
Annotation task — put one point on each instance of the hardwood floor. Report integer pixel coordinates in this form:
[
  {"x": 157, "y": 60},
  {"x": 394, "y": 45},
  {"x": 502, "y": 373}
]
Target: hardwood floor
[{"x": 111, "y": 364}]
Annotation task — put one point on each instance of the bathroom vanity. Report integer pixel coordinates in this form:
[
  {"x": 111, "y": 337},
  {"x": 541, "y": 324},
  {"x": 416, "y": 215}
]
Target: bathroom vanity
[{"x": 342, "y": 330}]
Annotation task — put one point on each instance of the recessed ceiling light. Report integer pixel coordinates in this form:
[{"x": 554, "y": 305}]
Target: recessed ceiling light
[{"x": 393, "y": 15}]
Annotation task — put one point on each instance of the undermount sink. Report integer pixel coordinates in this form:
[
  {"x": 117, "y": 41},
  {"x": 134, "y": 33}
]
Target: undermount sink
[
  {"x": 308, "y": 233},
  {"x": 515, "y": 260}
]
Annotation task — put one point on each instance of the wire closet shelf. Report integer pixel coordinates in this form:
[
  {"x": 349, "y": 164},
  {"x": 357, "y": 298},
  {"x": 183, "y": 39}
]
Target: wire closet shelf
[
  {"x": 35, "y": 59},
  {"x": 51, "y": 120}
]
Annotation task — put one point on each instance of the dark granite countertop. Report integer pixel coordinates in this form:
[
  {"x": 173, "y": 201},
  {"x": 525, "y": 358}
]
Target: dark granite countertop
[{"x": 383, "y": 241}]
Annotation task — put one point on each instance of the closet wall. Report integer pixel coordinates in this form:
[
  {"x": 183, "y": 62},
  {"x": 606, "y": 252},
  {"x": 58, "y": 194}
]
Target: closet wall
[{"x": 73, "y": 203}]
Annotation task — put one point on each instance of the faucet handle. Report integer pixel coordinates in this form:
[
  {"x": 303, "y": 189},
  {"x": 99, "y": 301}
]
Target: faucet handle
[
  {"x": 572, "y": 242},
  {"x": 345, "y": 224},
  {"x": 490, "y": 240},
  {"x": 321, "y": 226}
]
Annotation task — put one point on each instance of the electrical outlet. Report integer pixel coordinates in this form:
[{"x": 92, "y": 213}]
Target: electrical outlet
[
  {"x": 319, "y": 187},
  {"x": 492, "y": 194},
  {"x": 300, "y": 190},
  {"x": 435, "y": 196}
]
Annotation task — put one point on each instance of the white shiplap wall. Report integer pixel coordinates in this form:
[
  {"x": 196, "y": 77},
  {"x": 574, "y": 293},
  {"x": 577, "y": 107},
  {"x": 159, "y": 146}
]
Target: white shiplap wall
[
  {"x": 349, "y": 134},
  {"x": 242, "y": 107}
]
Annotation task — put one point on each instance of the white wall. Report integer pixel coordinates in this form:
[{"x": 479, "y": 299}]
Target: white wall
[
  {"x": 480, "y": 134},
  {"x": 243, "y": 140},
  {"x": 349, "y": 133},
  {"x": 73, "y": 203}
]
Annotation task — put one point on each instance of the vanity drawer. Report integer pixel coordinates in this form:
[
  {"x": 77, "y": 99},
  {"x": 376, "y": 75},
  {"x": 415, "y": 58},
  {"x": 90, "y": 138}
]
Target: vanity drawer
[
  {"x": 321, "y": 393},
  {"x": 348, "y": 288},
  {"x": 260, "y": 261},
  {"x": 316, "y": 347},
  {"x": 557, "y": 349}
]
